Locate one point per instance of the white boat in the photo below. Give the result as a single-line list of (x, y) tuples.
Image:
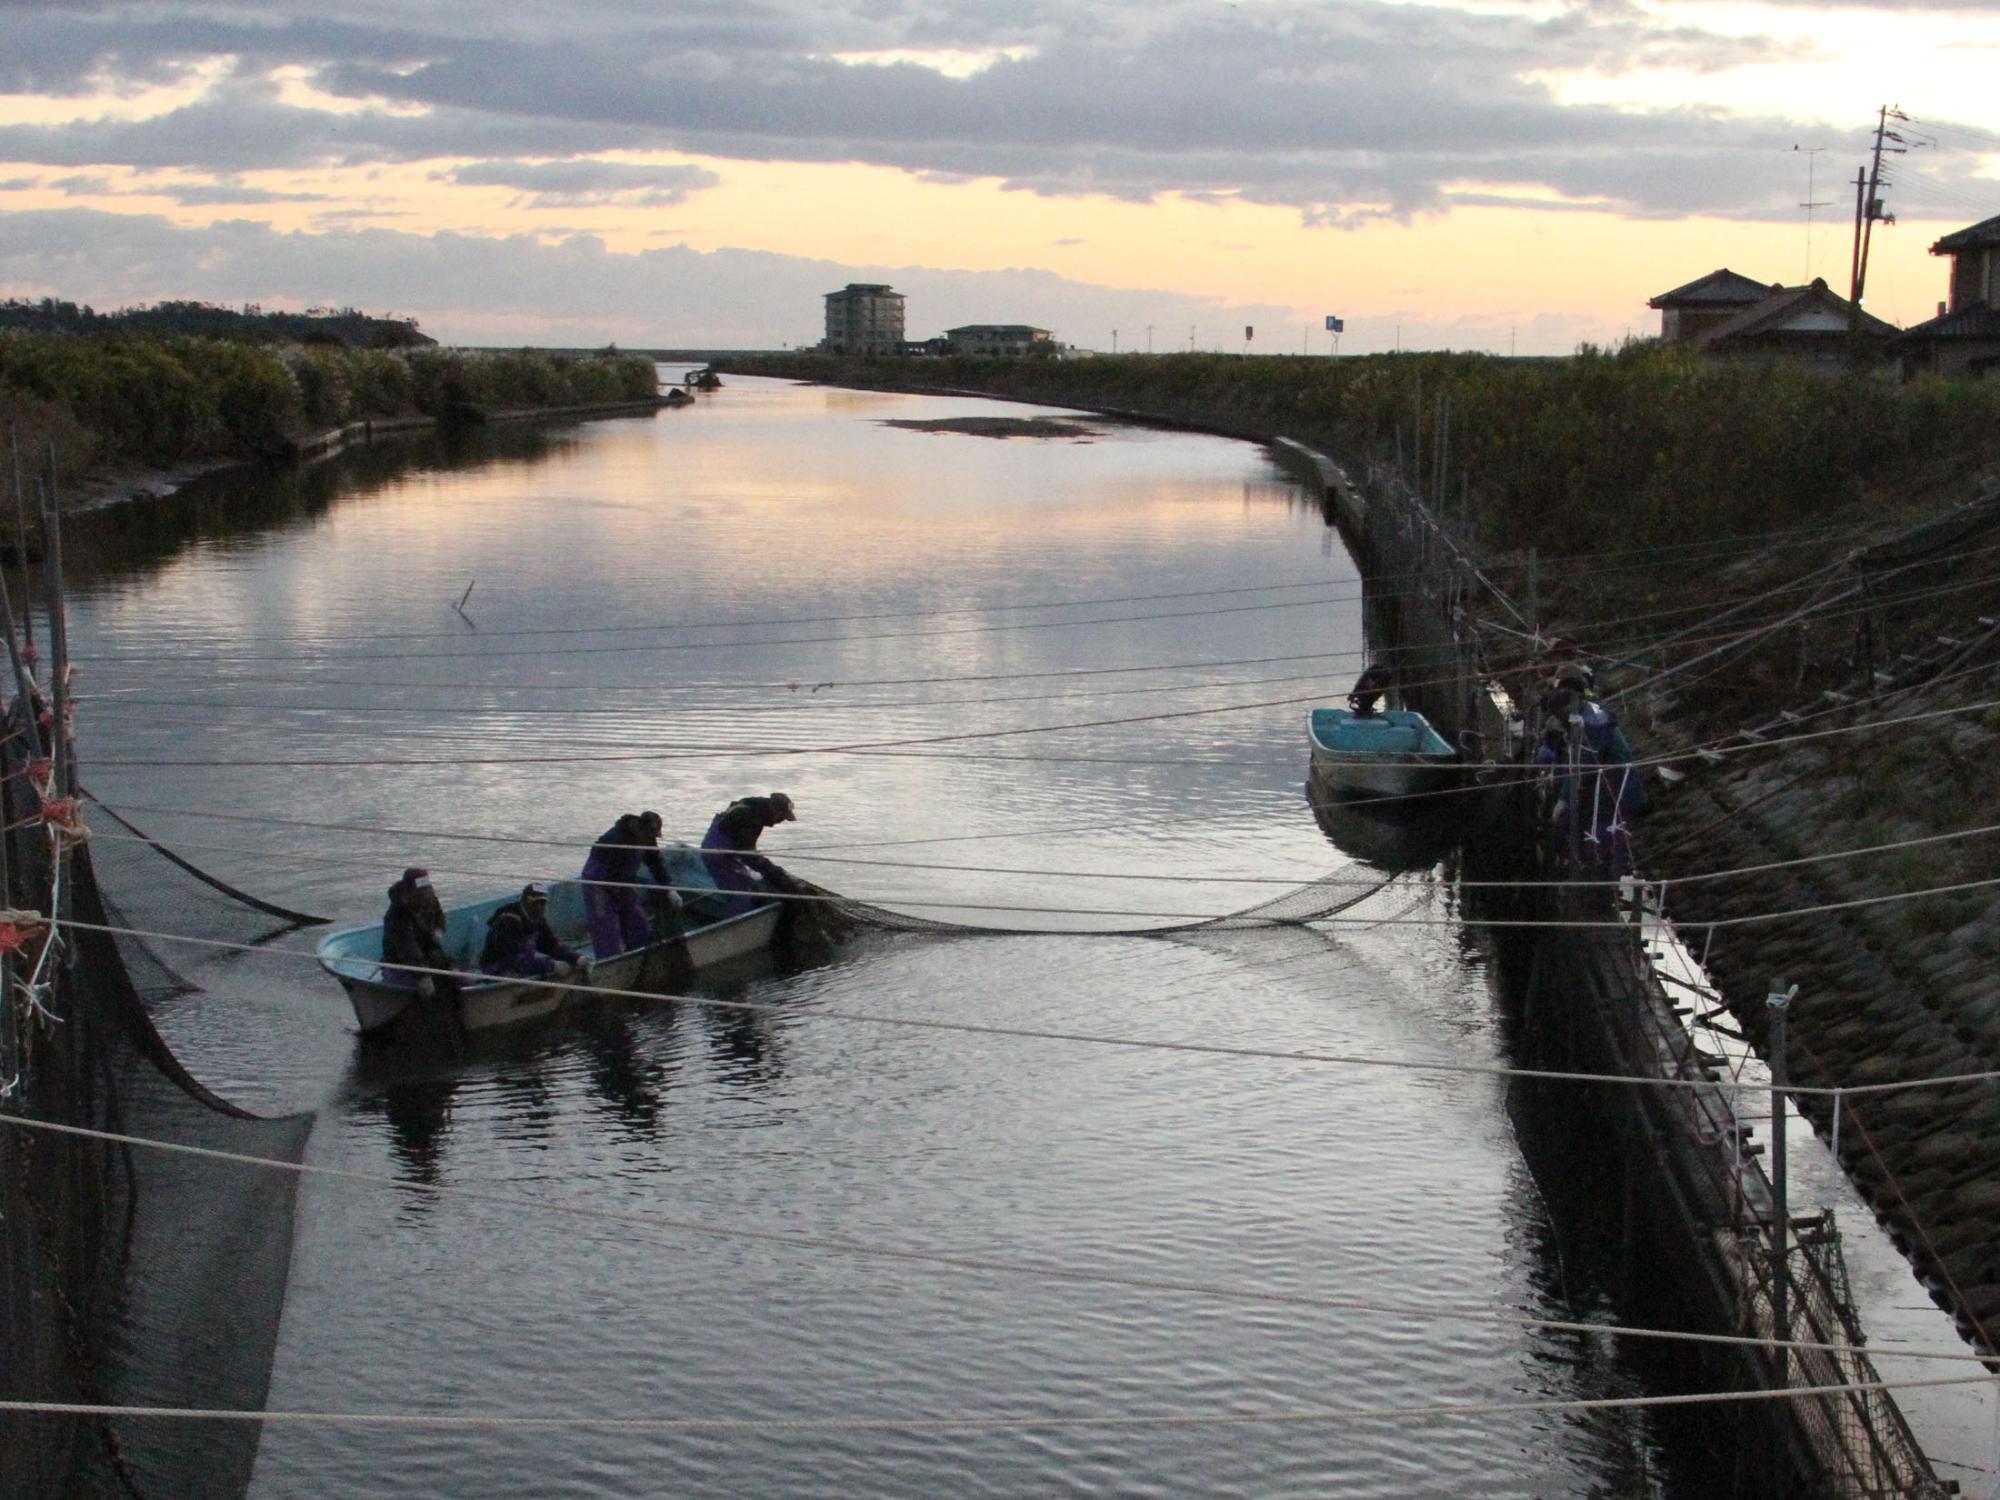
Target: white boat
[(353, 955)]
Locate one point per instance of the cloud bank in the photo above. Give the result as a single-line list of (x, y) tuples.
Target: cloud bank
[(1346, 111)]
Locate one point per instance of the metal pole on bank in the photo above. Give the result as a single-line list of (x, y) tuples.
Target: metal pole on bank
[(1779, 1000)]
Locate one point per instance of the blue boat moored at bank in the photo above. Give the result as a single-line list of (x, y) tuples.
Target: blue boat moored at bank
[(1393, 753)]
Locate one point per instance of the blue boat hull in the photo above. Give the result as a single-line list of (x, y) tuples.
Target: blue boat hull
[(353, 955), (1395, 753)]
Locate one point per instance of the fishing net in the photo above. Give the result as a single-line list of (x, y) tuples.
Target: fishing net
[(1301, 906), (145, 886), (128, 1276)]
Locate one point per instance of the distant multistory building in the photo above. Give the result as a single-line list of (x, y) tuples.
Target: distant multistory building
[(1000, 338), (864, 317)]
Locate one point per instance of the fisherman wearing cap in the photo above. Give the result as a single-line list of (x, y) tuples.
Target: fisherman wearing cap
[(521, 944), (729, 849), (413, 934), (618, 922)]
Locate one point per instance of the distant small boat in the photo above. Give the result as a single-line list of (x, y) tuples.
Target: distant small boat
[(1393, 753), (354, 954)]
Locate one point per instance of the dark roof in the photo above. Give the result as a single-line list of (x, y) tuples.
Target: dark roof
[(998, 328), (1985, 232), (1967, 323), (865, 288), (1723, 286), (1780, 304)]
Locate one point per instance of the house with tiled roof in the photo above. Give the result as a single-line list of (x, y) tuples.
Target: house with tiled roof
[(1688, 311), (1811, 326), (1964, 338)]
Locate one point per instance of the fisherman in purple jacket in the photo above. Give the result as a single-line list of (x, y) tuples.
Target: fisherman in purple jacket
[(617, 919), (729, 849)]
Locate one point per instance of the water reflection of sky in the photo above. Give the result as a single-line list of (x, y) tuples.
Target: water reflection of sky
[(912, 586)]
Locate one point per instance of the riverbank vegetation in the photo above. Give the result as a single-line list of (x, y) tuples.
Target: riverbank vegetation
[(139, 399), (1647, 445)]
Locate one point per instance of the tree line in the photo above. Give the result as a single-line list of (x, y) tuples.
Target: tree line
[(127, 398), (320, 325)]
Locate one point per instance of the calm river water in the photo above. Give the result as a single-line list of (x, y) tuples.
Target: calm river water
[(775, 591)]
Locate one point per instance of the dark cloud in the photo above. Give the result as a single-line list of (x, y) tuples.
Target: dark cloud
[(569, 184), (227, 194), (1345, 111)]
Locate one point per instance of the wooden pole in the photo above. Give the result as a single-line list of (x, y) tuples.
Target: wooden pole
[(58, 638), (23, 683), (21, 542)]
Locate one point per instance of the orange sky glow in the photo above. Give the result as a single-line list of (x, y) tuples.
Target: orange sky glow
[(1481, 258)]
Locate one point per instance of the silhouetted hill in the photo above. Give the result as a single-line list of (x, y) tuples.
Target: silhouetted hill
[(250, 323)]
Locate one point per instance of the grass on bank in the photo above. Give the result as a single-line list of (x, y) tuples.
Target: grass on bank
[(1649, 445)]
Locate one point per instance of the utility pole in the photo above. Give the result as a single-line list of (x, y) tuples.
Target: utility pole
[(1871, 205), (1114, 341), (1810, 153), (1149, 338)]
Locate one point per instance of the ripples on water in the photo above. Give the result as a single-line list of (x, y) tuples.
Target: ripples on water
[(673, 612)]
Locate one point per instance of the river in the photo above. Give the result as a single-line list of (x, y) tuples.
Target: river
[(978, 666)]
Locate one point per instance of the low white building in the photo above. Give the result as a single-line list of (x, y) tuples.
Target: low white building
[(999, 339)]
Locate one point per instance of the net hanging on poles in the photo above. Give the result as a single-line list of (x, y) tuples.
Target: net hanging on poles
[(127, 1277)]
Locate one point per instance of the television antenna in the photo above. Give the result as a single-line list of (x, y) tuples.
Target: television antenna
[(1811, 203)]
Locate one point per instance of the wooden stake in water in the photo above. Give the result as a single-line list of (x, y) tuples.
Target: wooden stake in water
[(21, 543), (58, 638)]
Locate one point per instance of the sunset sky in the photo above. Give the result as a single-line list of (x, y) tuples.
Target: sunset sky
[(1485, 175)]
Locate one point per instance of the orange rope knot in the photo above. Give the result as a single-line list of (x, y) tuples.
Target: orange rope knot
[(16, 927), (65, 815), (29, 654), (41, 769)]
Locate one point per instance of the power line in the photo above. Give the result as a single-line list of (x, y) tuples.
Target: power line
[(1205, 1049), (809, 856), (1023, 1421), (113, 659), (632, 1218)]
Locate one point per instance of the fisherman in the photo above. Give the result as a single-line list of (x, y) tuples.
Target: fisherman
[(729, 849), (1370, 688), (413, 935), (1582, 736), (521, 944), (618, 921)]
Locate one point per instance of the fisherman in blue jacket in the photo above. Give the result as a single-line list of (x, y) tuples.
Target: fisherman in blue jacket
[(618, 921), (729, 849), (521, 944), (1605, 784)]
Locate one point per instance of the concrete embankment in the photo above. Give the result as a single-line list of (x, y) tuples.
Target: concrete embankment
[(1889, 991)]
